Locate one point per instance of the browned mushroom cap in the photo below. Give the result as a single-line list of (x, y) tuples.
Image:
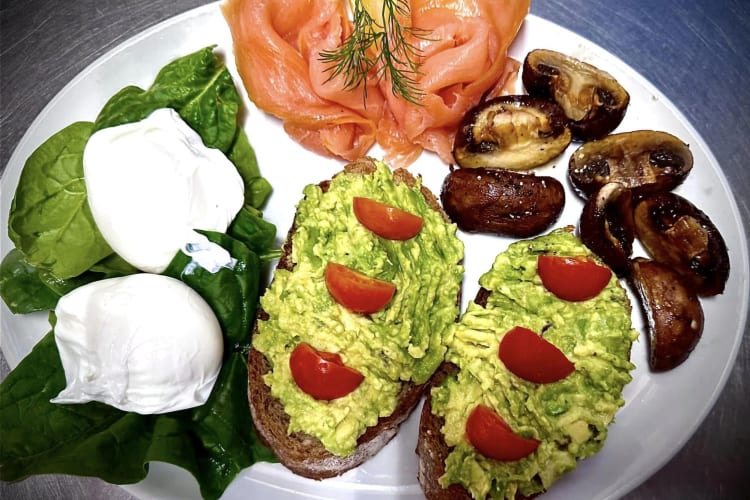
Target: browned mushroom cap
[(512, 132), (676, 233), (503, 202), (606, 226), (592, 99), (646, 161), (674, 316)]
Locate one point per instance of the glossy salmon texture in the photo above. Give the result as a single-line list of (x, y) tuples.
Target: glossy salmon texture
[(277, 46)]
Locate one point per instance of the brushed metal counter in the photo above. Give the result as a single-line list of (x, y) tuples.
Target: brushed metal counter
[(696, 53)]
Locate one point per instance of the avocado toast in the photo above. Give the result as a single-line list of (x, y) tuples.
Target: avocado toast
[(560, 421), (395, 350)]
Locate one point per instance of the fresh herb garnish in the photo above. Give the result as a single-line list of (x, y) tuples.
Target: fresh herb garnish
[(380, 43)]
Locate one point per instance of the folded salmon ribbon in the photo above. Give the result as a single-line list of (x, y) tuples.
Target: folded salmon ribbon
[(463, 58)]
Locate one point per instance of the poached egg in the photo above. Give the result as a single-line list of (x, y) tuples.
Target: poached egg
[(151, 183), (145, 343)]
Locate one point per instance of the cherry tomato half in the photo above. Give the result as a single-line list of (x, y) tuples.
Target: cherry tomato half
[(322, 375), (491, 436), (356, 291), (572, 278), (385, 220), (531, 357)]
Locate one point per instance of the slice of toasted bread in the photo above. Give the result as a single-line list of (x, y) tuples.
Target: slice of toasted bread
[(432, 449), (304, 454)]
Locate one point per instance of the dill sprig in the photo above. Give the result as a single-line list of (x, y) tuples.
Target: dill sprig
[(380, 44)]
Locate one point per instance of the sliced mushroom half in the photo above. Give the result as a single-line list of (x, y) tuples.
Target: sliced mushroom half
[(512, 132), (606, 226), (676, 233), (592, 99), (645, 161), (674, 316)]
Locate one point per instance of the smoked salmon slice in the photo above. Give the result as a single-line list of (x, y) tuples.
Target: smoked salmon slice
[(463, 57)]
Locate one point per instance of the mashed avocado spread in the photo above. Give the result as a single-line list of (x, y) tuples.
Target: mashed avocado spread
[(403, 342), (569, 417)]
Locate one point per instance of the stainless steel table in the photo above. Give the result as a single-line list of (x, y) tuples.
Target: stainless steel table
[(697, 53)]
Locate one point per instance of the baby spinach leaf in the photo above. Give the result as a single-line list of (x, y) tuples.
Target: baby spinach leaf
[(216, 433), (50, 220), (26, 289), (21, 287), (253, 230), (41, 437), (221, 426), (257, 189), (111, 266), (231, 293), (129, 105), (198, 86)]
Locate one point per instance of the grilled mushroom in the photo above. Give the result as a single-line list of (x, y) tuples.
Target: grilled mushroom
[(646, 161), (513, 132), (674, 316), (592, 99), (676, 233), (606, 226), (503, 202)]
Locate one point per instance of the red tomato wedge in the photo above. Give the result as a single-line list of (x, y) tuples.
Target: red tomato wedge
[(356, 291), (491, 436), (385, 220), (531, 357), (322, 375), (572, 278)]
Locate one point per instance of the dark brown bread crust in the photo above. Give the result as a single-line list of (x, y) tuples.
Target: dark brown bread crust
[(433, 451), (299, 452)]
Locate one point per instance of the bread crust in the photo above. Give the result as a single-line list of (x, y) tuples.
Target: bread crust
[(301, 453), (432, 449)]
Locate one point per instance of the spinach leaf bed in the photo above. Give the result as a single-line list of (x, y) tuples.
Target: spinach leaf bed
[(59, 248)]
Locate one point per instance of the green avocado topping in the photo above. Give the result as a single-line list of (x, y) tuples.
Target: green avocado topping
[(403, 342), (569, 417)]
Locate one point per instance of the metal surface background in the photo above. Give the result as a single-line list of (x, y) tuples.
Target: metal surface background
[(696, 53)]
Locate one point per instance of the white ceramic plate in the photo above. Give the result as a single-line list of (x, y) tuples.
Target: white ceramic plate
[(661, 411)]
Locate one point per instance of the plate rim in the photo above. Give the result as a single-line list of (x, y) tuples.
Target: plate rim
[(614, 60)]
